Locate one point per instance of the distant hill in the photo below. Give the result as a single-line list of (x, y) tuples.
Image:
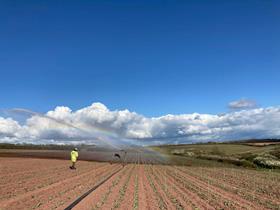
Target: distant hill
[(264, 153), (247, 141), (256, 141)]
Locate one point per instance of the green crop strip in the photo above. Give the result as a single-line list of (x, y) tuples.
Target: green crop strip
[(161, 203), (122, 191), (136, 198), (106, 195)]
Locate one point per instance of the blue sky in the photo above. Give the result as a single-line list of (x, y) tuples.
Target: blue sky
[(152, 57)]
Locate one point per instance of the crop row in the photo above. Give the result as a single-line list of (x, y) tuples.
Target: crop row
[(55, 190), (251, 191)]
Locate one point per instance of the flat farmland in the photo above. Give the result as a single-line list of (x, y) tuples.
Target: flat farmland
[(178, 187), (30, 183)]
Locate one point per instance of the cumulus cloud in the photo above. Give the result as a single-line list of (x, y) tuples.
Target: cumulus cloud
[(242, 104), (8, 127), (62, 125)]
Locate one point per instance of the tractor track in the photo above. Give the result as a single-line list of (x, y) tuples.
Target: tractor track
[(79, 199)]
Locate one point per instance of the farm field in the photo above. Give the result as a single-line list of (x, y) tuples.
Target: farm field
[(260, 154), (30, 183)]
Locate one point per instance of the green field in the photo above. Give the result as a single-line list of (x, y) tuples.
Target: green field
[(238, 154)]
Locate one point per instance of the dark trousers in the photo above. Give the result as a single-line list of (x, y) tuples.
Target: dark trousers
[(73, 165)]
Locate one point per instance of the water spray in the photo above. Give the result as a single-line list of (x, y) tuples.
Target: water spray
[(97, 135)]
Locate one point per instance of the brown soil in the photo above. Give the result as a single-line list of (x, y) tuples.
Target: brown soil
[(46, 184), (28, 183)]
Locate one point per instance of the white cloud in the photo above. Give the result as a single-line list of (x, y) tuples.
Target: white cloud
[(242, 104), (96, 121), (8, 127)]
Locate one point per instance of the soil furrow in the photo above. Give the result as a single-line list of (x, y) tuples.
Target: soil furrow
[(187, 198), (147, 197), (163, 188), (28, 185), (55, 187), (161, 200), (130, 194), (222, 193), (245, 193), (123, 191), (106, 193)]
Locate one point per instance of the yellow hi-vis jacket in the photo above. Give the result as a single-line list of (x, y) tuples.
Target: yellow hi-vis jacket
[(74, 156)]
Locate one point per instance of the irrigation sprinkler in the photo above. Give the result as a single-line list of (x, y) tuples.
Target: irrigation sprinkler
[(117, 155), (124, 158)]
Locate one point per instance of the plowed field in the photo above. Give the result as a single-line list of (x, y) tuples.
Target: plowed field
[(50, 184), (46, 184)]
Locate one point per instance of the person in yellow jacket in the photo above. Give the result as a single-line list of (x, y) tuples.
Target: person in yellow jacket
[(74, 156)]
